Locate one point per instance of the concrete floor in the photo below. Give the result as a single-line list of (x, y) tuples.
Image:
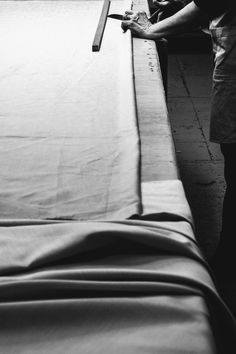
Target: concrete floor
[(200, 162)]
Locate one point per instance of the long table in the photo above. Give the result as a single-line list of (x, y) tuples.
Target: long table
[(97, 246)]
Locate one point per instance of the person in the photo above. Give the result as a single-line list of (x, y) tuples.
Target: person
[(221, 16), (168, 8)]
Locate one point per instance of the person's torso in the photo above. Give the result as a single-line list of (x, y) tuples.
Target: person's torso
[(223, 32)]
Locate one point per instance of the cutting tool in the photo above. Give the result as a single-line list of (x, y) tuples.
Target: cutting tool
[(119, 17), (116, 17)]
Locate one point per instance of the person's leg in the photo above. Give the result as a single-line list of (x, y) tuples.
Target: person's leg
[(228, 234), (224, 259)]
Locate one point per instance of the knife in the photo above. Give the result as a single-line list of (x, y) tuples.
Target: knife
[(119, 17), (116, 17)]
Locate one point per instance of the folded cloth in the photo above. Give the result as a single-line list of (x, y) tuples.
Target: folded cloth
[(127, 287), (165, 200)]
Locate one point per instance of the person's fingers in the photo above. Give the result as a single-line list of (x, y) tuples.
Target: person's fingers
[(130, 15), (133, 26), (125, 24), (129, 12)]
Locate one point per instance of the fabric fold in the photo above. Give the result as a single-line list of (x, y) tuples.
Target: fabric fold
[(75, 263)]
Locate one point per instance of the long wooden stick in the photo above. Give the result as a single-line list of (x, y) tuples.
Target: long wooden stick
[(101, 26)]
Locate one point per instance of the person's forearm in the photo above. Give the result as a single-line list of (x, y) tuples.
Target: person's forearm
[(182, 21)]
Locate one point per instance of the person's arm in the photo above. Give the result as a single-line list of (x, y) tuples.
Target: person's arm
[(182, 21)]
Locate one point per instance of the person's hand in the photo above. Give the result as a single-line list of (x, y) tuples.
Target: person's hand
[(130, 15), (138, 23)]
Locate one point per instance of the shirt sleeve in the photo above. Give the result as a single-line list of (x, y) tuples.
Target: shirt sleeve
[(213, 8)]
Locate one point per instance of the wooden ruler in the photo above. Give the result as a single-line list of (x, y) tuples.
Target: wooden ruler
[(101, 26)]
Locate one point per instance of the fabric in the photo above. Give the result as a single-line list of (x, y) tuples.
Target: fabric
[(69, 146), (165, 200), (223, 111), (99, 287)]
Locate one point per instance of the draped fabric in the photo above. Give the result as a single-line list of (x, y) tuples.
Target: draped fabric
[(165, 200), (101, 287), (69, 146)]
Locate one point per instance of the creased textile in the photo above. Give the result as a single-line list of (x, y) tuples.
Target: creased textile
[(120, 287)]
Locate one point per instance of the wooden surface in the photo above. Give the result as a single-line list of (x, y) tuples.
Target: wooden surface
[(101, 26), (157, 148)]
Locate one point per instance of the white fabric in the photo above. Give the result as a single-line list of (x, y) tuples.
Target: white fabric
[(166, 200), (69, 147)]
